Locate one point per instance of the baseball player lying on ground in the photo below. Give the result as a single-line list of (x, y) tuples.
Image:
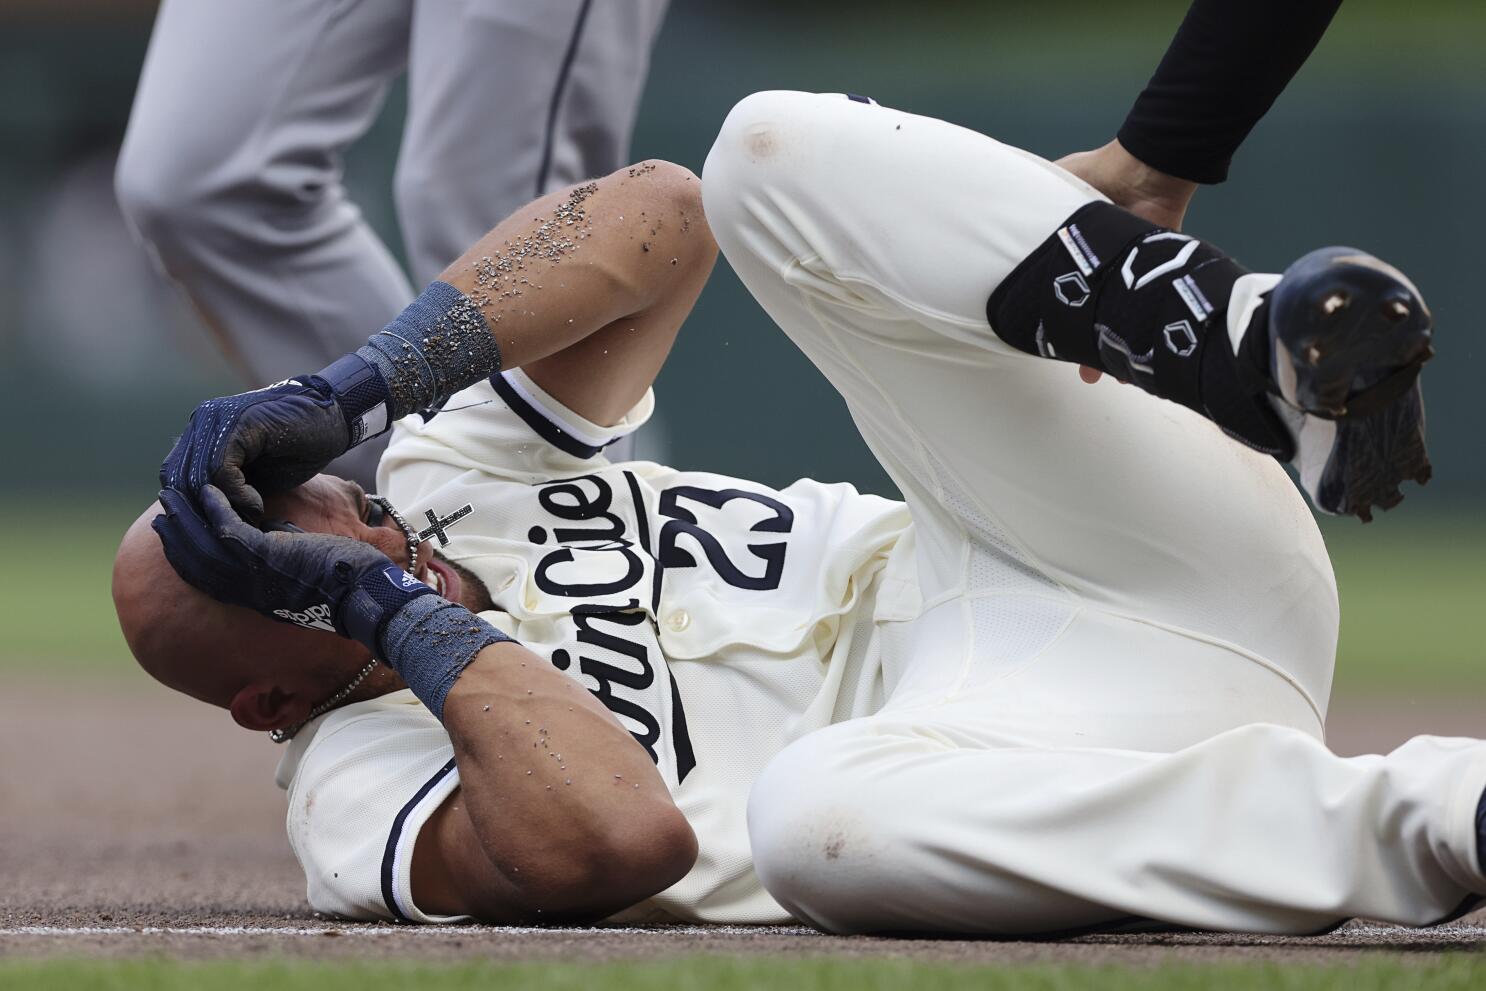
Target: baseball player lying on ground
[(1078, 677)]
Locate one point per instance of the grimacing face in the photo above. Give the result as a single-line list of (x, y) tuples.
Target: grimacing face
[(326, 504), (268, 673)]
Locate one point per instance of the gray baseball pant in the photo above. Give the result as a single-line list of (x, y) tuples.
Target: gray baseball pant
[(231, 168)]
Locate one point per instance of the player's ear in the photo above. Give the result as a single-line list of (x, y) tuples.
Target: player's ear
[(263, 706)]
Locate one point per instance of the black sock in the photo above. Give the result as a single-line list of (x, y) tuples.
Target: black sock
[(1149, 306)]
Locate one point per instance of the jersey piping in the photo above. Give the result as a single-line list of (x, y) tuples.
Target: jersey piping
[(558, 432), (393, 856)]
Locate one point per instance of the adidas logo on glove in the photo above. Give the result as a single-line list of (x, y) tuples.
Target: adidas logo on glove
[(401, 579), (313, 618)]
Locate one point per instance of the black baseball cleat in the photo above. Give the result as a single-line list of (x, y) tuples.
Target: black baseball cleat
[(1321, 370), (1348, 334)]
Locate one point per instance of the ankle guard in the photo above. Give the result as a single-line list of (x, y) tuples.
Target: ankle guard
[(1147, 305)]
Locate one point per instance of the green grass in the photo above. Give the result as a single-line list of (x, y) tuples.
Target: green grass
[(724, 974), (1413, 598), (58, 614), (1413, 592)]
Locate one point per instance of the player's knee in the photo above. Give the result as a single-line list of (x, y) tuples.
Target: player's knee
[(153, 198), (176, 210), (202, 194), (818, 843), (752, 143), (753, 127), (677, 184)]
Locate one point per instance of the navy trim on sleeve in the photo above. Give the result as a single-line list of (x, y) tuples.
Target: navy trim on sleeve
[(389, 856), (545, 428)]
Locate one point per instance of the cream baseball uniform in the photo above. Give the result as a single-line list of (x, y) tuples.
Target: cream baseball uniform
[(1087, 681), (718, 619)]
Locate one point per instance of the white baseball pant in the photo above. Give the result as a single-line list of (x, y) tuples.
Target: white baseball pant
[(1112, 704)]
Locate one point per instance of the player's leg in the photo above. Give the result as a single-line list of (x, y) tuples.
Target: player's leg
[(509, 100), (1067, 536), (873, 238), (898, 822), (1115, 769), (231, 172), (921, 219)]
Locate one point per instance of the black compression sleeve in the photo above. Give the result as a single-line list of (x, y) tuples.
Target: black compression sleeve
[(1228, 63)]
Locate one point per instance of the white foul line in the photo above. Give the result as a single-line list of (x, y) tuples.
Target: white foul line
[(394, 930), (1356, 934)]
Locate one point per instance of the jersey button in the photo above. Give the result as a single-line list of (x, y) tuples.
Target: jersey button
[(678, 621)]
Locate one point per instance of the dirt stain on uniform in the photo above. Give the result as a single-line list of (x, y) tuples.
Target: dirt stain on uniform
[(760, 144)]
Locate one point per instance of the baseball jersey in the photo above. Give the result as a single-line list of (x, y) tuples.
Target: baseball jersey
[(716, 618)]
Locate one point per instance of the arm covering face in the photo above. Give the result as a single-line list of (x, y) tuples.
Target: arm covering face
[(1147, 305)]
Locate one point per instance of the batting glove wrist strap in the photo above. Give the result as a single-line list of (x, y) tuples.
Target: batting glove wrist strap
[(430, 641), (373, 600), (362, 394), (437, 346)]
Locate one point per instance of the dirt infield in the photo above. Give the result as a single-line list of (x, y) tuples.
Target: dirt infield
[(136, 822)]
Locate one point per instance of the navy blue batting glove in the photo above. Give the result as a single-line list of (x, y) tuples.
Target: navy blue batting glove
[(273, 439), (315, 580)]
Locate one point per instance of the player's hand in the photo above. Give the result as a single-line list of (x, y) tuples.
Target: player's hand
[(314, 580), (1130, 183), (258, 442)]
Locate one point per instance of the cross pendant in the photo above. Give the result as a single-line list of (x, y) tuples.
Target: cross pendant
[(439, 527)]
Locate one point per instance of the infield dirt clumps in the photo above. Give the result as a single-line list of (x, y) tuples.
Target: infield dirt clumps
[(138, 822)]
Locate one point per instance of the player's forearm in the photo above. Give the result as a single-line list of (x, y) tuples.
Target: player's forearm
[(577, 260), (559, 798), (613, 264), (1227, 64), (549, 276), (567, 805)]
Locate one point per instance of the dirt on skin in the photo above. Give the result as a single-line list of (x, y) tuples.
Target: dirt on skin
[(133, 821)]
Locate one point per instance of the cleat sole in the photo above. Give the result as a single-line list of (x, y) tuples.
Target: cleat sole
[(1347, 322), (1371, 455)]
